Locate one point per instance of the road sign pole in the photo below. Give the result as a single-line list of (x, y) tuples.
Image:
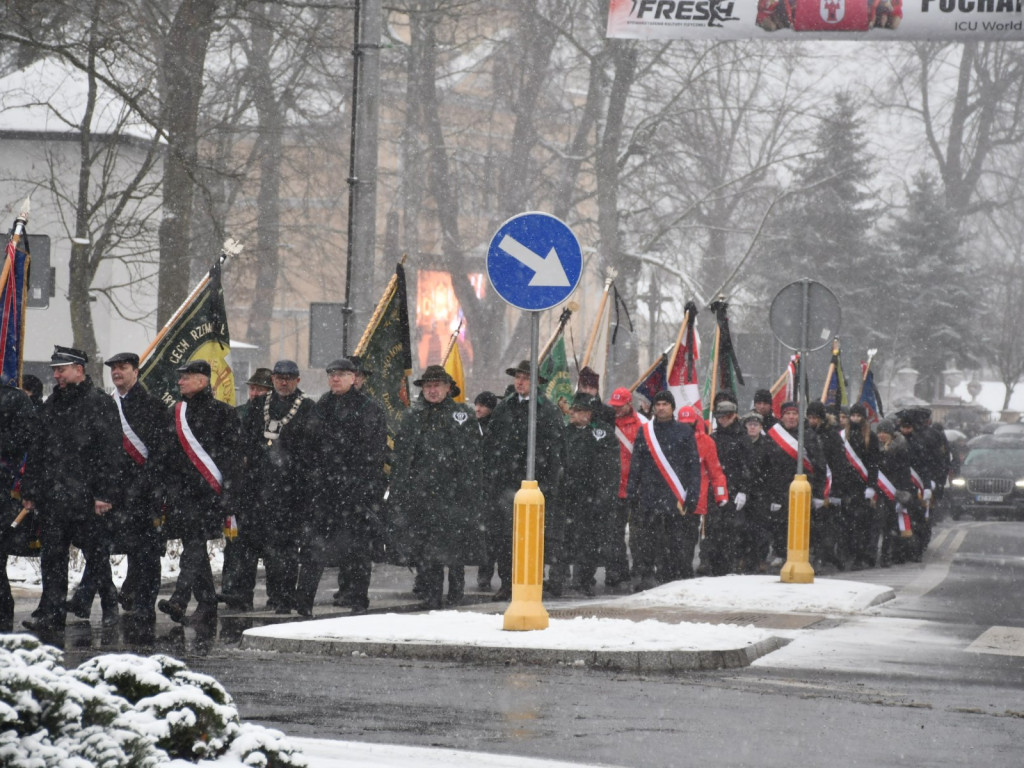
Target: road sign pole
[(526, 611)]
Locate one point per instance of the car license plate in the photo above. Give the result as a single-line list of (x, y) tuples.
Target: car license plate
[(989, 497)]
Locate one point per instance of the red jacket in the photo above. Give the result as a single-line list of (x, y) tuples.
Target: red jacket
[(711, 474), (626, 428)]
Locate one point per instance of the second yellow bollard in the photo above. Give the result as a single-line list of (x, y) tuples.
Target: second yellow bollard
[(526, 611)]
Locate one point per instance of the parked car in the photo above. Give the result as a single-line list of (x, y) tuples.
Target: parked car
[(990, 482)]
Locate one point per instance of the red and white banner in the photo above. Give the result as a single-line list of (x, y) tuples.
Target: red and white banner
[(661, 462), (872, 20), (200, 459)]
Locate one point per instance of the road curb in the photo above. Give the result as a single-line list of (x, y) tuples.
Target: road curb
[(625, 661)]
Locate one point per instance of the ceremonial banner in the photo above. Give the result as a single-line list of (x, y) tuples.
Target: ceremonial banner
[(872, 20), (387, 350), (453, 365), (682, 379), (555, 369), (13, 294), (870, 396), (197, 331)]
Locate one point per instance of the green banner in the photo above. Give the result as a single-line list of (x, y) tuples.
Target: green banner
[(386, 349), (199, 331), (555, 368)]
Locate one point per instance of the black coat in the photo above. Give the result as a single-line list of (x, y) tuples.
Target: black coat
[(196, 510), (76, 459), (144, 485), (736, 455), (782, 468), (281, 474), (435, 489), (351, 483), (587, 492), (646, 484), (19, 425), (504, 447)]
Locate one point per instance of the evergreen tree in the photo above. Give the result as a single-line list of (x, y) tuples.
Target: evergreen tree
[(936, 284), (825, 229)]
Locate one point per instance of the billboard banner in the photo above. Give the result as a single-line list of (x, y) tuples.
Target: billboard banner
[(816, 19)]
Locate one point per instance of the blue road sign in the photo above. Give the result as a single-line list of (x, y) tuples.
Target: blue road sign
[(534, 261)]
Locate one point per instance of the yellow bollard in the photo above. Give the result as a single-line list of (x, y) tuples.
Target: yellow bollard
[(526, 610), (797, 569)]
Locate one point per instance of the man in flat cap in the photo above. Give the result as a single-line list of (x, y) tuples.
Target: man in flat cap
[(347, 511), (204, 475), (145, 429), (281, 439), (72, 476), (258, 384), (504, 452), (435, 489)]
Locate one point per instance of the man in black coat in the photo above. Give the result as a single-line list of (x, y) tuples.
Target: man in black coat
[(730, 526), (204, 475), (504, 452), (72, 477), (664, 479), (435, 488), (18, 426), (346, 527), (281, 440), (145, 423)]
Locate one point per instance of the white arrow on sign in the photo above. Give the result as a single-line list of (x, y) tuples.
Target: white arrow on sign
[(548, 271)]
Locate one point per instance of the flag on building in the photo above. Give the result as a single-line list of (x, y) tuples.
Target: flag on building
[(453, 364), (869, 394), (13, 295), (835, 395), (197, 331), (555, 369), (723, 368), (386, 349), (785, 389), (682, 379)]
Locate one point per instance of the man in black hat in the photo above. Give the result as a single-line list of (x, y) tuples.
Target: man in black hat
[(281, 441), (145, 428), (484, 406), (259, 384), (731, 528), (363, 370), (588, 492), (664, 480), (504, 452), (204, 478), (19, 425), (589, 383), (72, 476), (435, 488), (346, 525)]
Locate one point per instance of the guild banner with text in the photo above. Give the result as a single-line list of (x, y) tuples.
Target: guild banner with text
[(816, 19)]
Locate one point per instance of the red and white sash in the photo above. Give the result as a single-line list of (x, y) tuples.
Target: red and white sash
[(903, 519), (661, 462), (789, 444), (885, 486), (202, 461), (853, 458), (132, 443), (916, 480), (623, 440)]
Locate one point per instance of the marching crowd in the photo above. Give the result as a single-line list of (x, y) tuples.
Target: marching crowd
[(307, 484)]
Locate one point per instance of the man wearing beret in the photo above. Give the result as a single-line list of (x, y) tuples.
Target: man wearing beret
[(435, 488), (504, 452), (281, 439), (347, 510), (204, 477), (72, 477)]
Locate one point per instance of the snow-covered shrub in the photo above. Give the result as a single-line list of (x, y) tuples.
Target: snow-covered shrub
[(121, 710)]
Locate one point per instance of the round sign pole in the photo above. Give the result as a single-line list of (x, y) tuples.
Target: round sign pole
[(534, 263), (800, 311), (526, 610)]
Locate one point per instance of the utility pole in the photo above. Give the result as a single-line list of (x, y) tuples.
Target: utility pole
[(362, 177)]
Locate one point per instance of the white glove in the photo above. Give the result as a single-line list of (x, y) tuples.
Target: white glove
[(741, 501), (817, 503), (835, 501), (927, 494), (775, 507), (869, 493)]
